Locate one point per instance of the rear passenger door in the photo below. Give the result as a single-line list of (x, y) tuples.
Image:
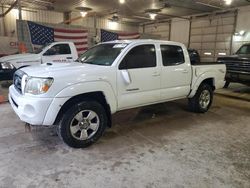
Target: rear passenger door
[(58, 53), (176, 73), (140, 67)]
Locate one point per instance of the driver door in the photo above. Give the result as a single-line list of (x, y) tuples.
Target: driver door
[(138, 77)]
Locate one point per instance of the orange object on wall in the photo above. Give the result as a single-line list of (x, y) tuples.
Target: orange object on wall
[(22, 48)]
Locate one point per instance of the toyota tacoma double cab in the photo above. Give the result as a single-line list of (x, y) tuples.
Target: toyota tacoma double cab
[(238, 66), (62, 52), (80, 98)]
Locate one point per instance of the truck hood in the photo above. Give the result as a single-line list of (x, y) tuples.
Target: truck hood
[(235, 58), (69, 72), (19, 57)]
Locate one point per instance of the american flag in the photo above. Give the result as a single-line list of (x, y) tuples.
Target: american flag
[(109, 36), (41, 35)]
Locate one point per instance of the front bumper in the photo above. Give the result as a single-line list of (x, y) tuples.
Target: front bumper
[(29, 109), (35, 110)]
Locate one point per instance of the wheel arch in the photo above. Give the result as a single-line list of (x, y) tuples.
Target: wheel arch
[(97, 96), (209, 80)]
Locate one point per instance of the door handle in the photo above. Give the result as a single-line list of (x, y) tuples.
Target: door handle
[(185, 71), (69, 57), (156, 74)]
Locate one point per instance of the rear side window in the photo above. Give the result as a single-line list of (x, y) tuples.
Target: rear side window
[(142, 56), (172, 55), (62, 49)]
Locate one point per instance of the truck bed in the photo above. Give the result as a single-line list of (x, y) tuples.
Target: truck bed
[(218, 70)]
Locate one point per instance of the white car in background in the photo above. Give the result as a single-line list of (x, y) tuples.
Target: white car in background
[(79, 98), (62, 52)]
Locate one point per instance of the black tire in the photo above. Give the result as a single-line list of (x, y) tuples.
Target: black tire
[(194, 102), (64, 130), (226, 84)]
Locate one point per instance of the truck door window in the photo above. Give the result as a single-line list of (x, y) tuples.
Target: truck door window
[(62, 49), (172, 55), (142, 56)]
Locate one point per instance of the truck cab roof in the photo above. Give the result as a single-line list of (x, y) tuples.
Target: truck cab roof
[(138, 41)]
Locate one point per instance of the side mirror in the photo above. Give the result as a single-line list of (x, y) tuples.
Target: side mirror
[(126, 76), (49, 52)]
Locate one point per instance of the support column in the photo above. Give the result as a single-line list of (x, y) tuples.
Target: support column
[(232, 36), (3, 23), (19, 10)]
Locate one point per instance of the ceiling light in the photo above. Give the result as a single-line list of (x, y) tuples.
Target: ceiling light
[(228, 2), (122, 1), (152, 16), (83, 14), (83, 10), (242, 32)]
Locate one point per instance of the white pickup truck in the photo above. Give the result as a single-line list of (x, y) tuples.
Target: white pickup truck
[(63, 52), (80, 98)]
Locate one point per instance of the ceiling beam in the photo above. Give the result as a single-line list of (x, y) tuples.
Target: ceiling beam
[(9, 9)]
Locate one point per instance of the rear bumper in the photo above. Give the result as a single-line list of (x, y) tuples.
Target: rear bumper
[(6, 74)]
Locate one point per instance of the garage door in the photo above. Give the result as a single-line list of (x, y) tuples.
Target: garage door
[(212, 35)]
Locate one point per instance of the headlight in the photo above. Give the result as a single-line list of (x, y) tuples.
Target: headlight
[(7, 65), (37, 86)]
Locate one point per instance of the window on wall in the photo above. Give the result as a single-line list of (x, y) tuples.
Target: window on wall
[(142, 56), (172, 55)]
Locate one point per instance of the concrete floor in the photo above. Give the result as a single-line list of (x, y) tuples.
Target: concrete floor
[(157, 146)]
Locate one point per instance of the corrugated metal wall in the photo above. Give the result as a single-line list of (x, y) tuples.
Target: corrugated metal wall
[(243, 24), (95, 24), (103, 23), (37, 15), (212, 35), (51, 17), (156, 31)]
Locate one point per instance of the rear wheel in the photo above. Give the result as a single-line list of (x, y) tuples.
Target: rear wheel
[(202, 100), (83, 124)]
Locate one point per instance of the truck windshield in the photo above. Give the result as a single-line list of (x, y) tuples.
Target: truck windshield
[(245, 49), (103, 54)]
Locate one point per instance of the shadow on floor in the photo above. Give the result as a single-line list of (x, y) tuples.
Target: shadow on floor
[(4, 90), (237, 91)]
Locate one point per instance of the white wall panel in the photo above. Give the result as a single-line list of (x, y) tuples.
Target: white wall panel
[(180, 30), (156, 31), (37, 16), (196, 38)]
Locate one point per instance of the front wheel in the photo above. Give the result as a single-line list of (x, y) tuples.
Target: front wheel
[(202, 100), (83, 124)]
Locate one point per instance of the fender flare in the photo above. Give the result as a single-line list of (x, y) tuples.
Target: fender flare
[(200, 79), (89, 87)]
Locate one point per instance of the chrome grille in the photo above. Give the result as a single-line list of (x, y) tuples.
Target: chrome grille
[(17, 80), (238, 66)]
